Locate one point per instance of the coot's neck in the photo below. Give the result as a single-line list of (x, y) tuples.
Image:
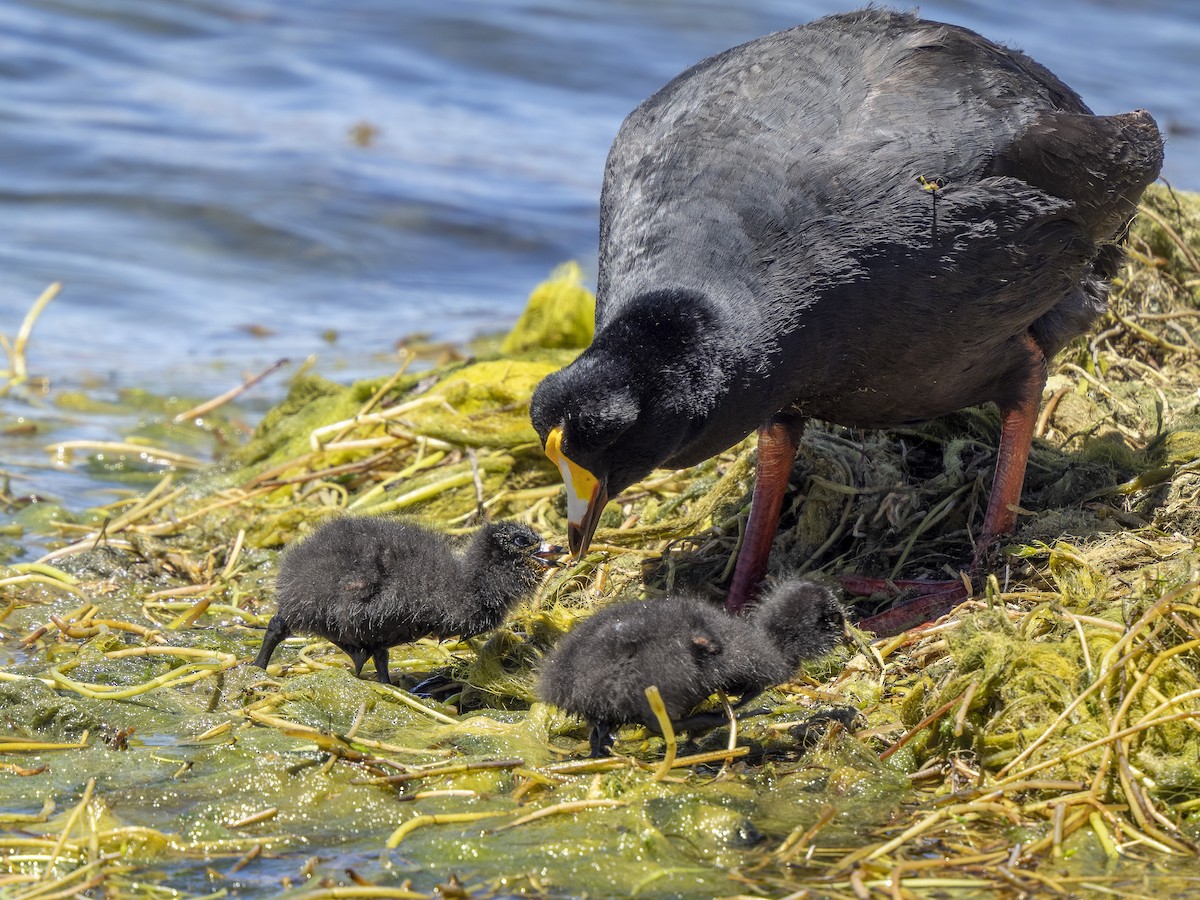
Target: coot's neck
[(699, 363), (682, 338)]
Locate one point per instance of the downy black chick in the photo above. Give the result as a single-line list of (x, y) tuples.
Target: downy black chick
[(689, 649), (368, 584)]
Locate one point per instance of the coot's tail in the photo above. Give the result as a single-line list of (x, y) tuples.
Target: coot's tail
[(1099, 163)]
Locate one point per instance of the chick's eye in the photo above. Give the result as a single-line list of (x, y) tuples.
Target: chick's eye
[(520, 539)]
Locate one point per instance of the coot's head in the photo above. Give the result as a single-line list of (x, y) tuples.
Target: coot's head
[(587, 417), (628, 403)]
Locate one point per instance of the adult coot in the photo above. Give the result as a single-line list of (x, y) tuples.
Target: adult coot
[(870, 219), (367, 584), (687, 648)]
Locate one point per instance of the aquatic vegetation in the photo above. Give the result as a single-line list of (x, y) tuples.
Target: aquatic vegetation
[(1045, 737), (16, 372)]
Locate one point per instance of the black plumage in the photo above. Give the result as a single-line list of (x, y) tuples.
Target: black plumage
[(689, 649), (368, 584), (802, 619), (871, 220)]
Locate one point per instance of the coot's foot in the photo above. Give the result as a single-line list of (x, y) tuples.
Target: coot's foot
[(934, 599)]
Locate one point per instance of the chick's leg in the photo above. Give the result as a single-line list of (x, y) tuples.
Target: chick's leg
[(381, 665), (276, 631), (601, 738)]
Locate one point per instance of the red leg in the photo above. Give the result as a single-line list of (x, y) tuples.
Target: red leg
[(864, 585), (777, 443), (937, 599), (1017, 421), (1016, 437)]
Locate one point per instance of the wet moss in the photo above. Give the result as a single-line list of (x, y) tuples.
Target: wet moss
[(560, 315), (284, 431), (482, 405)]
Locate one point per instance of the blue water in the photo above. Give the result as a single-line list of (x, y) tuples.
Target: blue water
[(188, 168)]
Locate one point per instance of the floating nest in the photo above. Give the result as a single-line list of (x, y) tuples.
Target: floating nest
[(1043, 738)]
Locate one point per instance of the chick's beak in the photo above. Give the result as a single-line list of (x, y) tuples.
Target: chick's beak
[(548, 555), (586, 495)]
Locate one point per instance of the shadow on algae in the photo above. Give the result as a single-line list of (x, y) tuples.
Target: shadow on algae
[(1043, 739)]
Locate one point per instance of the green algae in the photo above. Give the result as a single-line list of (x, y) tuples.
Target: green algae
[(283, 433), (482, 405), (560, 315), (970, 734)]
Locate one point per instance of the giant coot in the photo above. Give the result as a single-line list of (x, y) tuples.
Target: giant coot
[(872, 220), (369, 583), (688, 649)]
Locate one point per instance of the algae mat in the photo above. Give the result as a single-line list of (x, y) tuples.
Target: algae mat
[(1043, 739)]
